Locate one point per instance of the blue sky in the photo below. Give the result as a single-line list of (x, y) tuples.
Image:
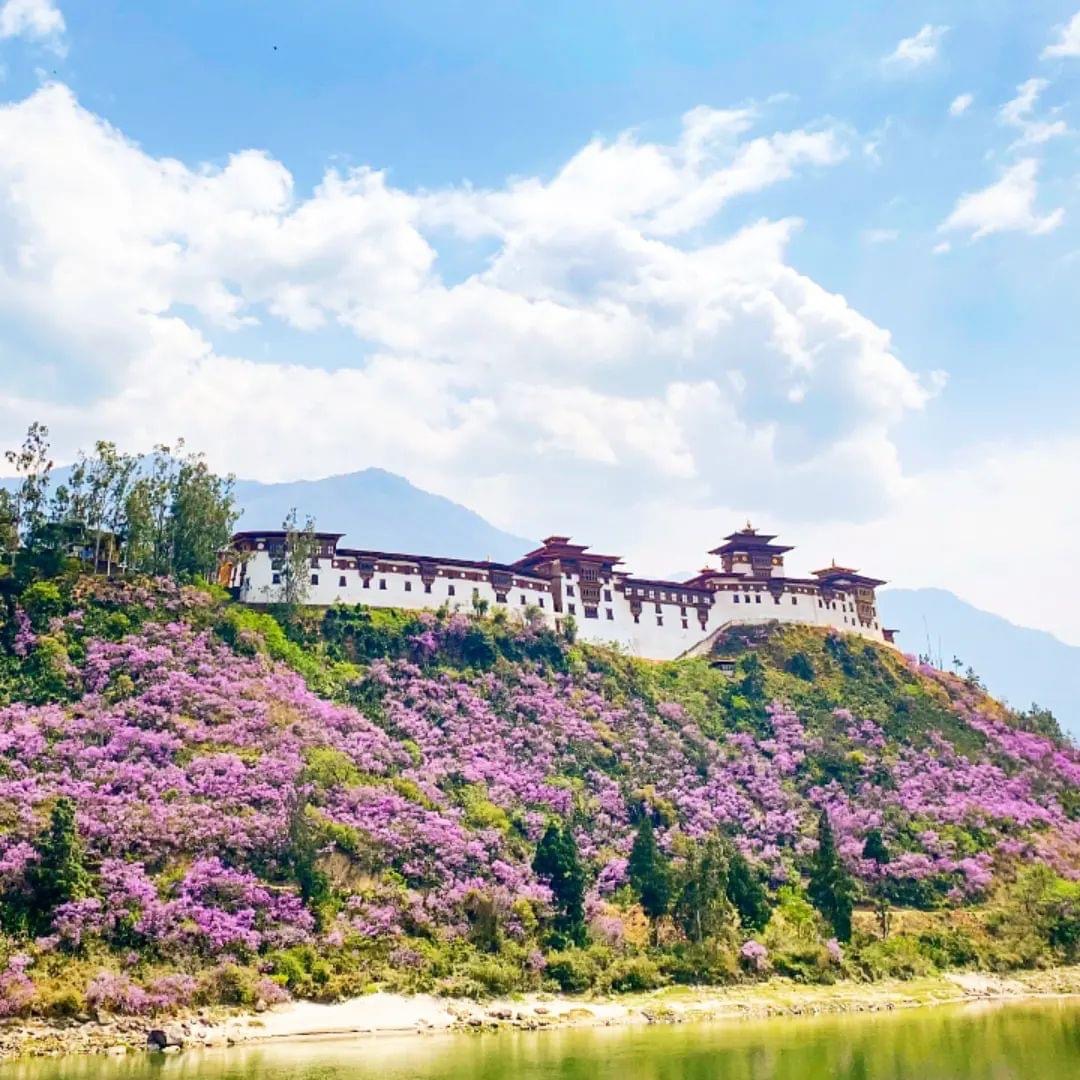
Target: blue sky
[(960, 392)]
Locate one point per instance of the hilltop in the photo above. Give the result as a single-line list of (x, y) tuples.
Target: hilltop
[(314, 804)]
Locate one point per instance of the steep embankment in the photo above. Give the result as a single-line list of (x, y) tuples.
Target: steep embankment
[(257, 817)]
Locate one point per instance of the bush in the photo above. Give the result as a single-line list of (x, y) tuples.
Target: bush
[(628, 973), (493, 975), (805, 964), (573, 970), (707, 964), (897, 957)]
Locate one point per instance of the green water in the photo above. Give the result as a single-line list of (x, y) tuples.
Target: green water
[(1040, 1042)]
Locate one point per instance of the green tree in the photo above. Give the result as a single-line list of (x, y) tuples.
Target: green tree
[(557, 863), (831, 888), (202, 513), (875, 851), (649, 873), (34, 465), (293, 565), (60, 874), (746, 893), (702, 906)]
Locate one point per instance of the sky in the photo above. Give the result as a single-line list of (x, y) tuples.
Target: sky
[(627, 271)]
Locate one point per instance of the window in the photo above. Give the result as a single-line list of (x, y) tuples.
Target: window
[(592, 613), (500, 598), (569, 590), (341, 582), (277, 579), (607, 596), (427, 586), (524, 599), (637, 619), (540, 601), (757, 598), (408, 586), (659, 620), (382, 583), (610, 614), (682, 611), (685, 625), (367, 583), (794, 599), (450, 590), (314, 579), (776, 599), (736, 598), (659, 609), (571, 609)]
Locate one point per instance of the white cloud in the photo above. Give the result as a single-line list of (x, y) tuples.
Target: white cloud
[(1017, 113), (36, 20), (916, 51), (1005, 206), (960, 104), (608, 340), (943, 248), (1068, 42)]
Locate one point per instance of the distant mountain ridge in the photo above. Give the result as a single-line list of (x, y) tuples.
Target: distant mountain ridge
[(1017, 663), (380, 510), (374, 509)]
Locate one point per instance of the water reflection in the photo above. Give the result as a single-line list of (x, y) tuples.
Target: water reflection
[(1012, 1042)]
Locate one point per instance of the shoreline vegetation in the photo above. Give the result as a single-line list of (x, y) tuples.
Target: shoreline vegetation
[(384, 1014), (204, 807)]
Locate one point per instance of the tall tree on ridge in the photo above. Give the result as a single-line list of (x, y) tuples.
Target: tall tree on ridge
[(831, 888)]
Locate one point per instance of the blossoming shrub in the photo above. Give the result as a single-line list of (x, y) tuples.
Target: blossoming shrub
[(360, 803)]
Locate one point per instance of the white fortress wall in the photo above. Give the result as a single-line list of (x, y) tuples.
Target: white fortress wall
[(654, 619)]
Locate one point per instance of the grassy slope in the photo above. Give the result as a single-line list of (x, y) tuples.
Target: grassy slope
[(501, 673)]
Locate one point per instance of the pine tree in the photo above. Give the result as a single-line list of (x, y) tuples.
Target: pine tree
[(557, 863), (649, 873), (745, 891), (59, 875), (875, 851), (831, 888), (702, 905)]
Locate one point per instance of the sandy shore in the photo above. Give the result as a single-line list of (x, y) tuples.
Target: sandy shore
[(400, 1014)]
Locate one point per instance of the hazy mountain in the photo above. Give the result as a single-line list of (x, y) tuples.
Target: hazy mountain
[(1016, 662), (377, 509)]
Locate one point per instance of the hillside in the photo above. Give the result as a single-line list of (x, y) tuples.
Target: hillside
[(1017, 663), (361, 801)]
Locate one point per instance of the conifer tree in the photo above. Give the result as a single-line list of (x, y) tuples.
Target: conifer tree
[(745, 891), (557, 863), (649, 873), (831, 888), (875, 851), (702, 905), (59, 875)]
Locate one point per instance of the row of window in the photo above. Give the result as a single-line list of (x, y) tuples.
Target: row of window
[(451, 590)]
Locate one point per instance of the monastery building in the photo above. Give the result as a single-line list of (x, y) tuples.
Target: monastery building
[(660, 620)]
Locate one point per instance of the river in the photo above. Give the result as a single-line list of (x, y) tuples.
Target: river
[(1025, 1041)]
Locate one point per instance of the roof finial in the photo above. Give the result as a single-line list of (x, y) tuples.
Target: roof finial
[(749, 528)]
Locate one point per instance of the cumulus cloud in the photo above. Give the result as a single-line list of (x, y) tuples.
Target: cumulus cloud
[(960, 104), (606, 339), (1008, 205), (1017, 113), (1068, 40), (36, 20), (916, 51)]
